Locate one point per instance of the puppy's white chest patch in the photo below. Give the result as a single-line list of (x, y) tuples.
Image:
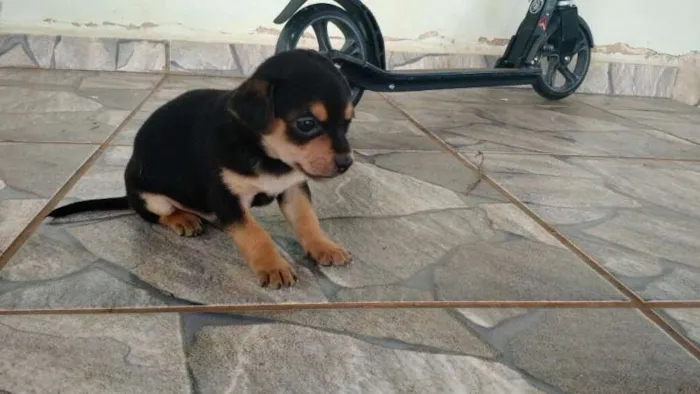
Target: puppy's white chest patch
[(246, 187)]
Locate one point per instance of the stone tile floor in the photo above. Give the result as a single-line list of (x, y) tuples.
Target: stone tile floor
[(560, 241)]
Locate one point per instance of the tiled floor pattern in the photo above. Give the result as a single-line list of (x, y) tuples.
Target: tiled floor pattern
[(577, 206)]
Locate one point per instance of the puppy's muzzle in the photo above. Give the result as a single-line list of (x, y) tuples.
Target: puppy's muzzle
[(343, 162)]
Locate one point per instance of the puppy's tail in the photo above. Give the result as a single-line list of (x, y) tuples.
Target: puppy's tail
[(104, 204)]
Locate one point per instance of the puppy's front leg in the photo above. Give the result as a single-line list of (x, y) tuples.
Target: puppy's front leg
[(255, 244), (295, 204), (260, 253)]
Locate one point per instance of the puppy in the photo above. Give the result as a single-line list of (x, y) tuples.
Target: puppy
[(214, 154)]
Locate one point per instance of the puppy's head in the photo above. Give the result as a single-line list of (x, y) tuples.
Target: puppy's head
[(300, 106)]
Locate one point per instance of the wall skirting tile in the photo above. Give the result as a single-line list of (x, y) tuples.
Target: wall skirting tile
[(680, 81)]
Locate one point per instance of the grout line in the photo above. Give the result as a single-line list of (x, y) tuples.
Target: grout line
[(81, 143), (79, 70), (72, 180), (49, 142), (168, 55), (483, 304), (665, 304), (635, 300), (582, 156), (168, 72), (218, 308)]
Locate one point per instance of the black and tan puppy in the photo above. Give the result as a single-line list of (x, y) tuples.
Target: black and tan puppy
[(216, 153)]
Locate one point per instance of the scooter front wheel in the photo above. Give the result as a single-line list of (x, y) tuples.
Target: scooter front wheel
[(562, 75), (319, 17)]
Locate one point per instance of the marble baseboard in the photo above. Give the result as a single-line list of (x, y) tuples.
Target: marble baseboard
[(680, 80)]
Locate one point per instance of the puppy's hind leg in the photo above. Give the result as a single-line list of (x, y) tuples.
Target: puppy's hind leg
[(157, 208)]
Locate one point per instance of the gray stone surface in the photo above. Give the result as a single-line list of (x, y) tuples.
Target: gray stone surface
[(86, 53), (42, 47), (105, 178), (635, 103), (39, 169), (419, 223), (494, 96), (23, 100), (242, 359), (683, 125), (115, 354), (209, 58), (93, 287), (474, 122), (438, 330), (377, 125), (16, 56), (29, 175), (81, 53), (597, 80), (67, 106), (141, 56), (517, 270), (688, 320), (490, 318), (687, 87), (49, 254), (584, 351), (205, 269), (248, 56), (642, 80), (637, 217), (15, 215), (441, 172), (399, 227)]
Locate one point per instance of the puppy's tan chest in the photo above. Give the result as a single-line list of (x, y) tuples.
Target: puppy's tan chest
[(247, 187)]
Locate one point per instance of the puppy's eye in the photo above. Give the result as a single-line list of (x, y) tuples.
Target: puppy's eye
[(307, 125)]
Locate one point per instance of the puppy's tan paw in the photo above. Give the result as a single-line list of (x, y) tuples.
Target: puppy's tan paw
[(274, 272), (183, 223), (326, 252)]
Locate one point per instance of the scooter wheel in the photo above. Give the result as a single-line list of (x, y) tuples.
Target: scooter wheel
[(561, 77), (318, 16)]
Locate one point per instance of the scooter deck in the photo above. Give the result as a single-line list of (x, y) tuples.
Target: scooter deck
[(370, 77)]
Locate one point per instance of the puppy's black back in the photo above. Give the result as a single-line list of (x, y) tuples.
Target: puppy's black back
[(172, 150)]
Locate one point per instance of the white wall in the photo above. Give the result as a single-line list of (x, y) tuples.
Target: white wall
[(445, 25)]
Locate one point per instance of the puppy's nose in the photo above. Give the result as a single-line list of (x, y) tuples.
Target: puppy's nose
[(343, 162)]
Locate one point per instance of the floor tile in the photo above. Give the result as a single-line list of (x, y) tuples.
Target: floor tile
[(415, 223), (97, 353), (501, 96), (573, 351), (29, 175), (573, 128), (41, 106), (639, 218), (583, 351), (636, 103), (378, 125), (683, 125), (686, 321), (382, 351)]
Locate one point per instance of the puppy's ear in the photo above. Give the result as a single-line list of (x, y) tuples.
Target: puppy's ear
[(251, 103)]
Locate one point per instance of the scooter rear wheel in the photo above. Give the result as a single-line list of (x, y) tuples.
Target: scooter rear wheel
[(318, 16), (562, 76)]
